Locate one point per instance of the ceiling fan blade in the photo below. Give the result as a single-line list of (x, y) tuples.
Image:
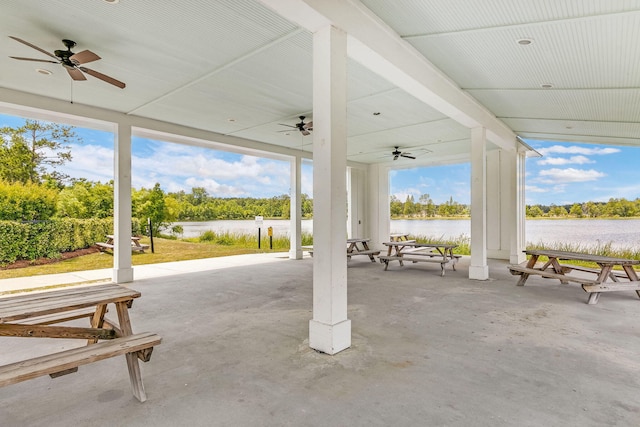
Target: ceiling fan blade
[(33, 59), (75, 74), (84, 57), (282, 124), (407, 155), (309, 125), (33, 46), (103, 77), (305, 132)]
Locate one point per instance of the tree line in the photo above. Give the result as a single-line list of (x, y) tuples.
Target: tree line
[(426, 208), (31, 189)]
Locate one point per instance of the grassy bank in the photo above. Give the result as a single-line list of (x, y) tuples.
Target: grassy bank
[(211, 244), (165, 250)]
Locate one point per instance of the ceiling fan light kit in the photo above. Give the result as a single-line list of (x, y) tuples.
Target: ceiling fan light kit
[(72, 62)]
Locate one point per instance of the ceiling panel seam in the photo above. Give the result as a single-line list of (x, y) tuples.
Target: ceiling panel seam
[(220, 69), (409, 37)]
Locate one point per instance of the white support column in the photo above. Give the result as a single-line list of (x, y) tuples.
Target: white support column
[(518, 218), (356, 203), (329, 330), (122, 269), (478, 269), (295, 231), (378, 205)]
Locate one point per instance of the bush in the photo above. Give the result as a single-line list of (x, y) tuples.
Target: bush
[(37, 239), (26, 202)]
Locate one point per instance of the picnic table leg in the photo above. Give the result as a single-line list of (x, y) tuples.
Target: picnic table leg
[(530, 264), (453, 259), (132, 358), (631, 274), (602, 277)]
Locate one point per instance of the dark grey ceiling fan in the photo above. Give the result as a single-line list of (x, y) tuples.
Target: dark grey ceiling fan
[(72, 62), (396, 153), (304, 128)]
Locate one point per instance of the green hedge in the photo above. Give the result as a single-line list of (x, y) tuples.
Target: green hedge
[(37, 239)]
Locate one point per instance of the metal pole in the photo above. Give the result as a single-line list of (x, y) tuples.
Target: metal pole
[(258, 237), (150, 234)]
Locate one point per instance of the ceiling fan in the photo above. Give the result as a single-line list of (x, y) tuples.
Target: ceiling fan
[(396, 153), (72, 62), (304, 128)]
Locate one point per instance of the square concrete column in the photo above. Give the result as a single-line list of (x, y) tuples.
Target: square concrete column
[(122, 269), (356, 201), (478, 269), (329, 330), (378, 212), (295, 200), (518, 219)]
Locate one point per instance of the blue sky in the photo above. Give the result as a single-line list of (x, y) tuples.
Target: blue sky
[(567, 172)]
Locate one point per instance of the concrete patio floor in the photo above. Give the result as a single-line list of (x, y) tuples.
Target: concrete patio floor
[(427, 351)]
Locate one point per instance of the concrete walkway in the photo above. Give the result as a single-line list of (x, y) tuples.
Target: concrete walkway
[(427, 351)]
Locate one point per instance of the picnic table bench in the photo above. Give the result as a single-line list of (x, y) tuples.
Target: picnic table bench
[(135, 244), (355, 247), (359, 246), (34, 314), (624, 280), (410, 250)]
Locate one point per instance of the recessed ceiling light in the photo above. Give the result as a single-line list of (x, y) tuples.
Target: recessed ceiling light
[(43, 71), (546, 85), (525, 42), (111, 1), (231, 120)]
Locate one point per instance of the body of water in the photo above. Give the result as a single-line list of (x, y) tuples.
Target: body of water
[(621, 233)]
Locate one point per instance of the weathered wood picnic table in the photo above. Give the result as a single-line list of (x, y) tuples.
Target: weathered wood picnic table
[(33, 314), (135, 244), (553, 269), (359, 246), (356, 246), (410, 250)]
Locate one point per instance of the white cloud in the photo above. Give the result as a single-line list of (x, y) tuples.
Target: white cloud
[(92, 162), (559, 161), (534, 189), (574, 149), (215, 188), (559, 176)]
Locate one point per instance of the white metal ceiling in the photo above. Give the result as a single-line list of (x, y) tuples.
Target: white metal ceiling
[(236, 67)]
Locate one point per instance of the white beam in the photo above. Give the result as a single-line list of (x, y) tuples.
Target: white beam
[(295, 206), (329, 330), (375, 45), (478, 269), (122, 269)]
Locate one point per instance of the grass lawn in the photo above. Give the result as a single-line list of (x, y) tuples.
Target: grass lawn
[(165, 250)]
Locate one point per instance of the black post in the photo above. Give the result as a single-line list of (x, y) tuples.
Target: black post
[(258, 237), (150, 234), (270, 242)]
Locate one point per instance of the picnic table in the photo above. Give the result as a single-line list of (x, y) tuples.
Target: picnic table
[(410, 250), (135, 244), (398, 237), (34, 314), (358, 246), (621, 280)]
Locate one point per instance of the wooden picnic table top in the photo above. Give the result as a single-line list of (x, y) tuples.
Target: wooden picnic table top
[(576, 256), (358, 240), (112, 237), (32, 304), (413, 243)]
